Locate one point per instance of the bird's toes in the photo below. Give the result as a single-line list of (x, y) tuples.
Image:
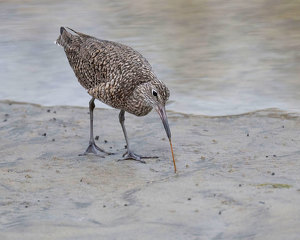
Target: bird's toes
[(149, 157), (126, 153), (101, 150), (94, 149), (132, 156), (89, 152)]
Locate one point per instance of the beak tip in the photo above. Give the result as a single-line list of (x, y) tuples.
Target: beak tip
[(175, 169), (162, 113)]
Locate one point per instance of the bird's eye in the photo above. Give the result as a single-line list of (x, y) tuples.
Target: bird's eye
[(154, 93)]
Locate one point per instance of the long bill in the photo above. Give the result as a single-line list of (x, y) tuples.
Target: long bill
[(162, 113)]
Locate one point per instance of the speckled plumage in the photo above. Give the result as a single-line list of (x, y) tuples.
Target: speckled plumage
[(118, 76), (112, 72)]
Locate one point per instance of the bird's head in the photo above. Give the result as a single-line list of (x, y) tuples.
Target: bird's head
[(156, 95)]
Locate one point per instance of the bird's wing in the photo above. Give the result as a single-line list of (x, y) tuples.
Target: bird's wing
[(107, 61), (103, 67)]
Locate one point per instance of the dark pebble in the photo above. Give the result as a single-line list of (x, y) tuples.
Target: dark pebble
[(54, 119), (53, 140), (105, 141), (267, 156), (54, 112), (125, 205), (282, 126), (26, 206), (5, 120), (247, 134), (48, 110), (240, 185), (274, 155), (38, 200), (189, 199), (44, 134), (273, 173), (97, 138), (104, 206), (6, 114), (220, 212), (261, 202), (125, 146), (81, 180), (110, 147)]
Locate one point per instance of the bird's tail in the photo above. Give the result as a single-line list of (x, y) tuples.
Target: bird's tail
[(65, 38)]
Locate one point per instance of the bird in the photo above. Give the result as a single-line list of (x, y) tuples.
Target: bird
[(118, 76)]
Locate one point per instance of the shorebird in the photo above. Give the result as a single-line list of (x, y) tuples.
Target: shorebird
[(118, 76)]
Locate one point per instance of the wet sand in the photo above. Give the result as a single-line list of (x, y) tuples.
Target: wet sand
[(238, 176)]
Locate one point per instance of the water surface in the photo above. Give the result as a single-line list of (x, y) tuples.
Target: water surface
[(217, 57)]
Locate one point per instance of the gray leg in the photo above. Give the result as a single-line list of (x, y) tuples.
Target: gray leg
[(93, 148), (129, 155)]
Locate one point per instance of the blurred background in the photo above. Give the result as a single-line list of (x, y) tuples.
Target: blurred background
[(217, 57)]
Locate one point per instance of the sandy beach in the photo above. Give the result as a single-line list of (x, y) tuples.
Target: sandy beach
[(238, 176)]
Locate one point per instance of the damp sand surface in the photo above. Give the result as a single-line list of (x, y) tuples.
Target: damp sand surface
[(238, 176)]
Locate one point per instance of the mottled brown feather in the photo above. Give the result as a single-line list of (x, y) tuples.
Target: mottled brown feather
[(110, 71)]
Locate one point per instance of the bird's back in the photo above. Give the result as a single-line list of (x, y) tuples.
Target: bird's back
[(112, 69)]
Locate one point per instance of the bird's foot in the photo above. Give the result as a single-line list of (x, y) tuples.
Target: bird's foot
[(132, 156), (94, 149)]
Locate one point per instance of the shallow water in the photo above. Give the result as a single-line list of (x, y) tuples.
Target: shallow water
[(217, 57)]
